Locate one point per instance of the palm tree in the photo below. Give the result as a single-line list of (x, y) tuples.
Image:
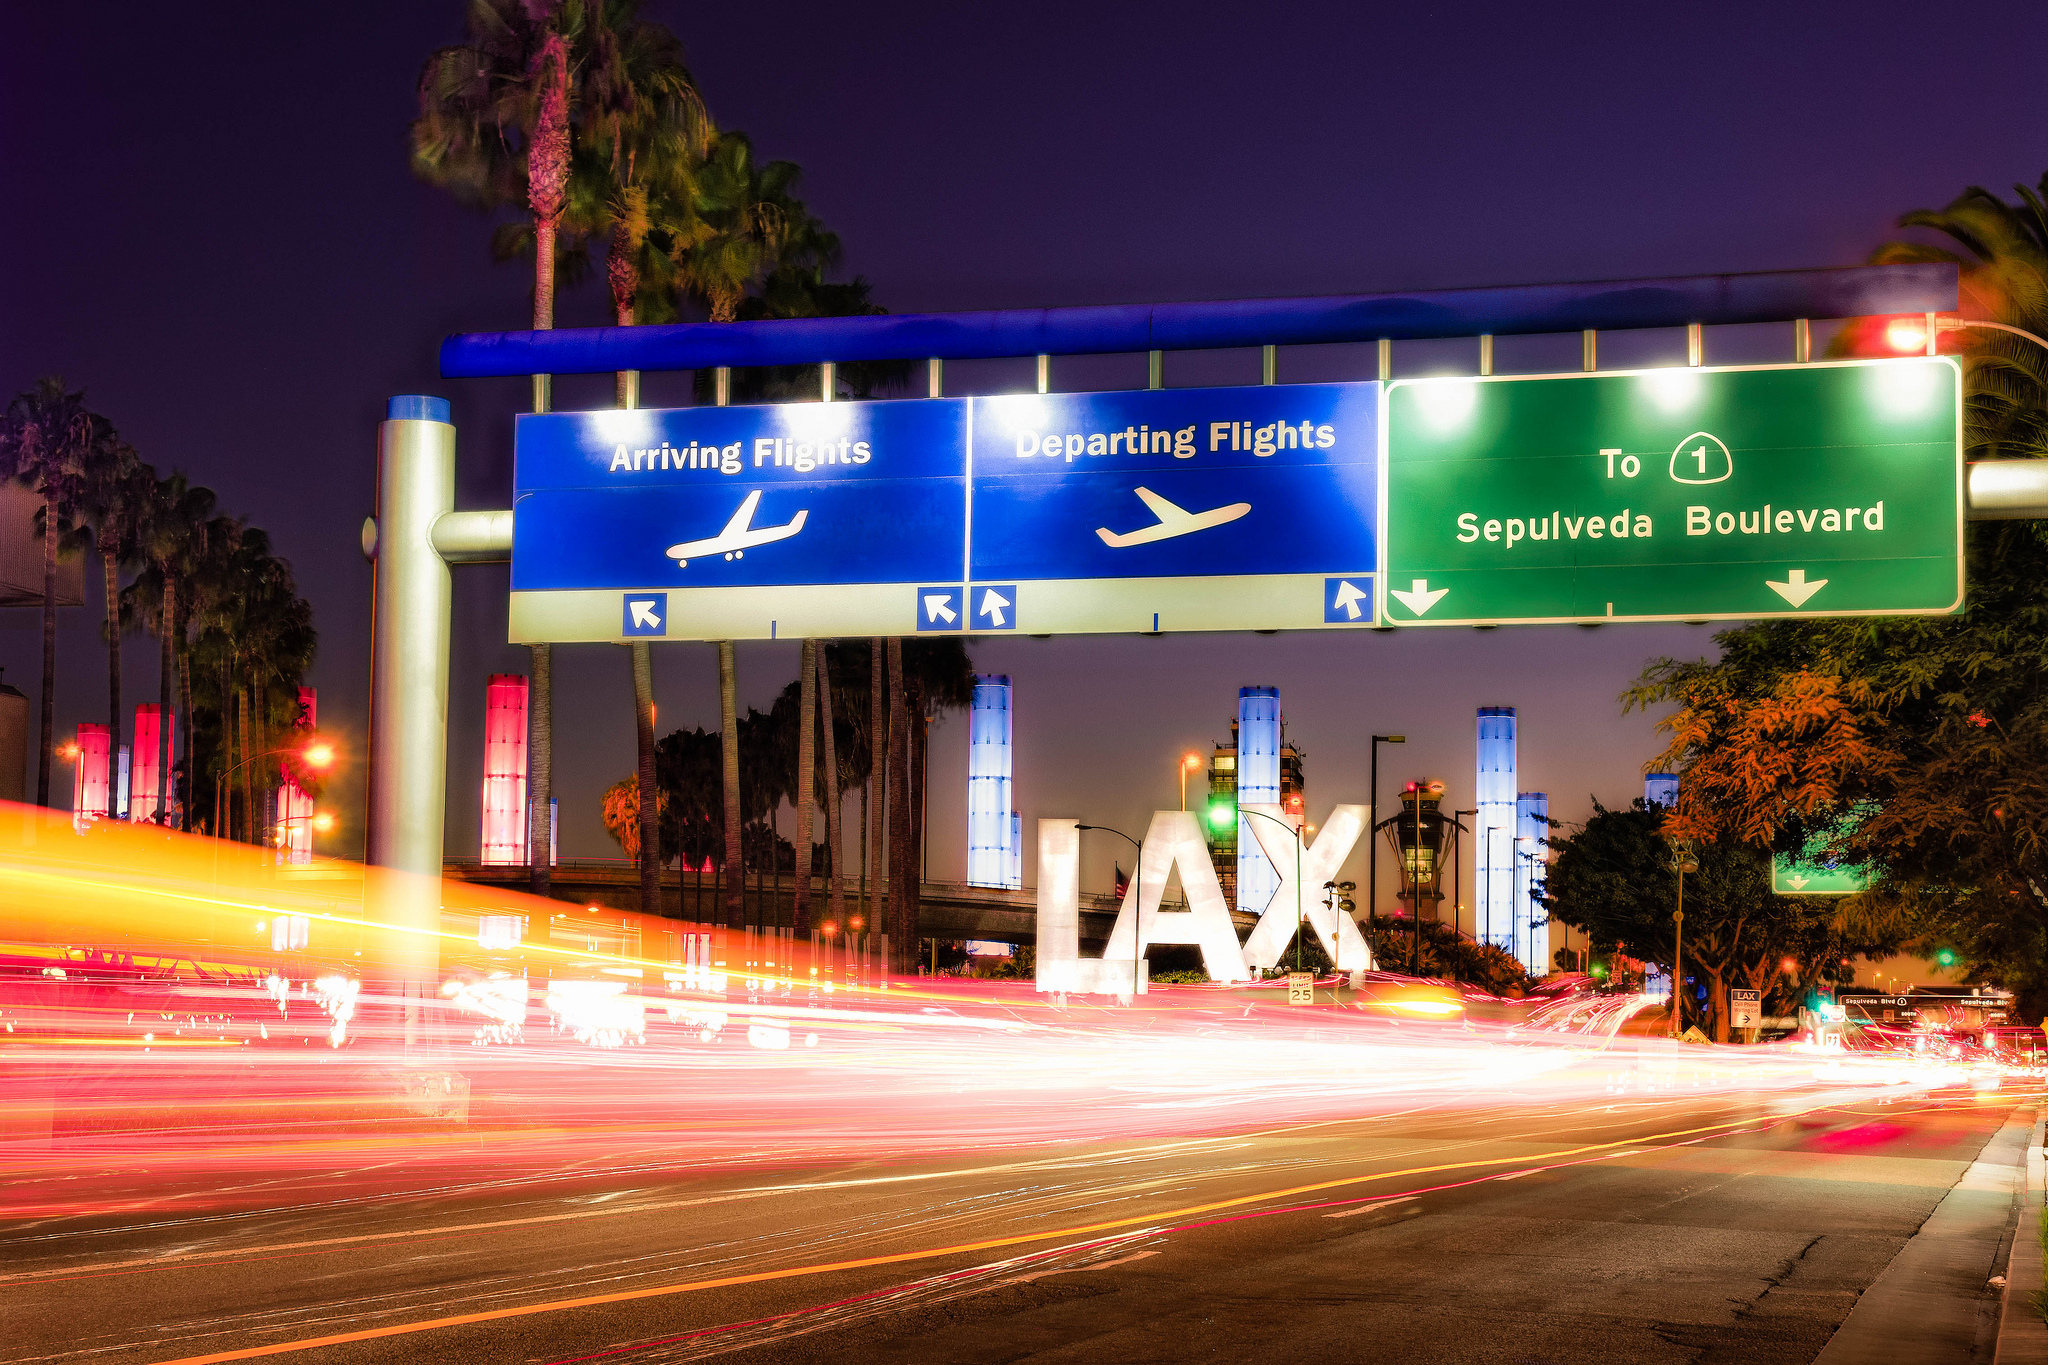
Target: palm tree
[(50, 440), (631, 181), (832, 788), (804, 790), (743, 210), (494, 130), (255, 641), (734, 863), (174, 543), (647, 799), (902, 917), (2001, 251), (116, 500)]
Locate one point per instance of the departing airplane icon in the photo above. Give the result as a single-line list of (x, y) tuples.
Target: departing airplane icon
[(738, 537), (1173, 521)]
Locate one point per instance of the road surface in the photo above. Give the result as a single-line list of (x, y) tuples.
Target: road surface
[(1720, 1227)]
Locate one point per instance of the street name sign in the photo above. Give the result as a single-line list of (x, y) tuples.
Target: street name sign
[(1247, 508), (1680, 494)]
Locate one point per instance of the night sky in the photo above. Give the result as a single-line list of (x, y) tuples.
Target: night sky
[(212, 228)]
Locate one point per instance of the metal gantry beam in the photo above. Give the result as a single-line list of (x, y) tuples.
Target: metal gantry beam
[(1708, 300)]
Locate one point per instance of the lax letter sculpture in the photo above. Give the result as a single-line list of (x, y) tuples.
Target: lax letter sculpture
[(1320, 863)]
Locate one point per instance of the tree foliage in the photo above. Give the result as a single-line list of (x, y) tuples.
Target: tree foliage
[(1916, 746)]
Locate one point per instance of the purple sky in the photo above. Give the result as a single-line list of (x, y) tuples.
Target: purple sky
[(213, 229)]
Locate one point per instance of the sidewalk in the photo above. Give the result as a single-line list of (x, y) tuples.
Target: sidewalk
[(2022, 1335), (1934, 1303)]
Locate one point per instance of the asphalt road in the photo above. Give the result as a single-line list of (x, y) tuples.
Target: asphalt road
[(1657, 1228)]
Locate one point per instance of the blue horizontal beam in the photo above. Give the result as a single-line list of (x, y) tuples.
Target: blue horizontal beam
[(1770, 296)]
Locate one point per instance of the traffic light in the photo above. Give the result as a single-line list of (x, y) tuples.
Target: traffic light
[(1946, 957), (1222, 811)]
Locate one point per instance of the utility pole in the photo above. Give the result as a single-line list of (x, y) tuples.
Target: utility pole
[(1372, 846), (1682, 861)]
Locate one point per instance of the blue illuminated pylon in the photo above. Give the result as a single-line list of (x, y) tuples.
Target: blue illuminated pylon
[(993, 857), (1258, 781), (1532, 849), (1493, 868)]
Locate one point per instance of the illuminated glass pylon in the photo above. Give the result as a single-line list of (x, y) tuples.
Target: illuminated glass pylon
[(89, 774), (143, 767), (1494, 862), (504, 794), (1258, 784), (1532, 858), (992, 827)]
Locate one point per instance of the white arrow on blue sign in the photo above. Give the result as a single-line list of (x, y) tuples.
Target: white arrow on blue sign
[(646, 614), (1348, 600), (995, 606), (939, 608)]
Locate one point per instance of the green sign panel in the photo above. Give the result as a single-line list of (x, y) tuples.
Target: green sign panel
[(1827, 489), (1811, 872), (1797, 877)]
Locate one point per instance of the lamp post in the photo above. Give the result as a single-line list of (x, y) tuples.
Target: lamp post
[(1486, 886), (1188, 764), (1138, 902), (1682, 862), (1297, 876), (1372, 847), (1458, 871)]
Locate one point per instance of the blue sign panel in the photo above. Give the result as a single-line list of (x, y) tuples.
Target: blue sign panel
[(802, 493), (1160, 510), (1176, 483)]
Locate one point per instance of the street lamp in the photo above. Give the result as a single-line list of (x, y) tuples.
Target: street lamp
[(1372, 847), (317, 756), (1914, 337), (1458, 871), (1137, 903), (1682, 862), (1188, 764), (1297, 876)]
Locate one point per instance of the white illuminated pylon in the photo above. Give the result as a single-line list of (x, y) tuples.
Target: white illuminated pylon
[(1320, 863)]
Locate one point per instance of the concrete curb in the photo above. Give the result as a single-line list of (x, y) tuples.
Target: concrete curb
[(1933, 1302), (2022, 1334)]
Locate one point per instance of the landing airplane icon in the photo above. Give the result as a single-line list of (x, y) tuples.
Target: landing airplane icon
[(738, 537), (1173, 521)]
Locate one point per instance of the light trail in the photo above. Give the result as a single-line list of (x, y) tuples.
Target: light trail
[(1158, 1223), (208, 1101)]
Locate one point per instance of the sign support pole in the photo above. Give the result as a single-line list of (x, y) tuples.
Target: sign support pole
[(409, 687)]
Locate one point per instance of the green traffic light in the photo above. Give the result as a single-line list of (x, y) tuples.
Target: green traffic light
[(1220, 814), (1946, 957)]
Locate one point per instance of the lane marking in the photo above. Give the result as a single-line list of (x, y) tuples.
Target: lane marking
[(1371, 1208), (900, 1257)]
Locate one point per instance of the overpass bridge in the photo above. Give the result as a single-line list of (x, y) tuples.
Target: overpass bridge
[(946, 910)]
